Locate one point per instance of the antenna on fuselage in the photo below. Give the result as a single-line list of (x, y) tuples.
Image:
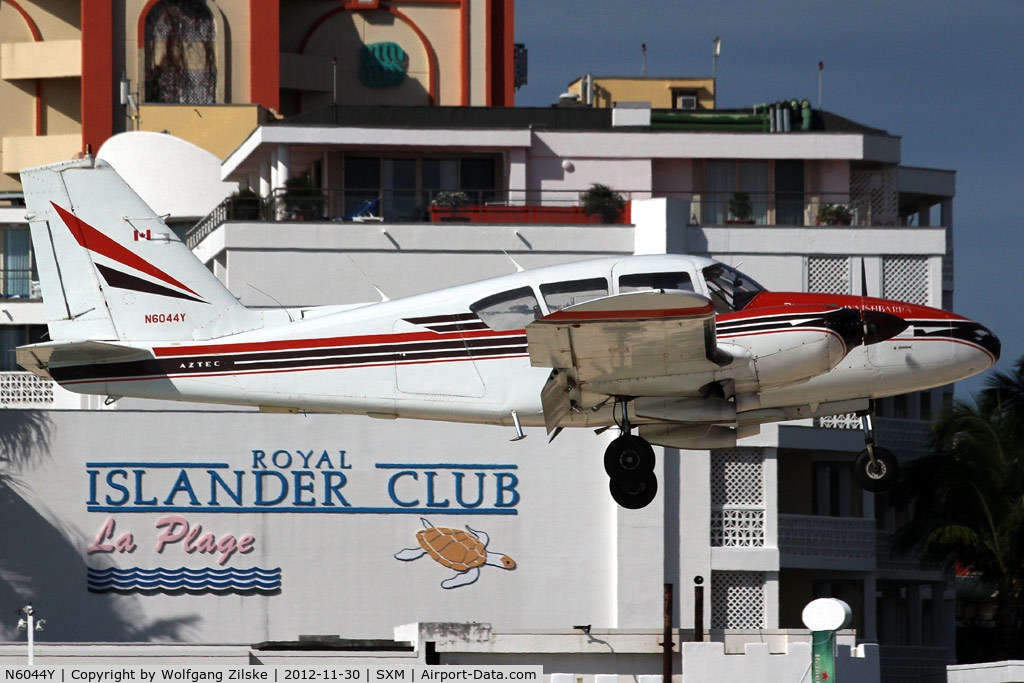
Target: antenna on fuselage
[(272, 298), (515, 263), (383, 297)]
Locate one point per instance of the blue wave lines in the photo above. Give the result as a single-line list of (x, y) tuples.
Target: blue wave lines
[(229, 579)]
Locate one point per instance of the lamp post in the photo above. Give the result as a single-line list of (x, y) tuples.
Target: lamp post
[(28, 623)]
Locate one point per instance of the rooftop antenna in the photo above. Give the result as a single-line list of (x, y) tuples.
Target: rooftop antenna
[(821, 67), (715, 51), (643, 60)]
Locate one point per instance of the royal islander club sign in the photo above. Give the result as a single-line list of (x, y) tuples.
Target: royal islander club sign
[(156, 503)]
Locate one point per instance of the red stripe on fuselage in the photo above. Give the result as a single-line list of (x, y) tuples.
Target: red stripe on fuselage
[(296, 344), (92, 239)]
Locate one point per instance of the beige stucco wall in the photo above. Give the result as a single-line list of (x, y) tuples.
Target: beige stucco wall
[(657, 91), (218, 129), (45, 59)]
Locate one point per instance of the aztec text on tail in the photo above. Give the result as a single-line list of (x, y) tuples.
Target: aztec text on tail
[(679, 351)]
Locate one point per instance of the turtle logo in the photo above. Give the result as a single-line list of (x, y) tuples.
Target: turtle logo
[(464, 551)]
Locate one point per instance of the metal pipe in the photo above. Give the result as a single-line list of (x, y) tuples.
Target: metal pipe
[(666, 645), (698, 609)]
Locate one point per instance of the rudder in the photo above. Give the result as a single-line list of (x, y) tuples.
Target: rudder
[(111, 269)]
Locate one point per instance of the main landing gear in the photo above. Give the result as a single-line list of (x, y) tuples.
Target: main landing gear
[(629, 462), (876, 469)]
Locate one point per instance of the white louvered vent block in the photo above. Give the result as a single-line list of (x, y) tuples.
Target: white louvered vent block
[(737, 527), (874, 197), (905, 278), (844, 421), (21, 389), (828, 274), (737, 476), (737, 600), (737, 498)]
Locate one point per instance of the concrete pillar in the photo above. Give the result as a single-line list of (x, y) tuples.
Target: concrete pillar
[(265, 181), (924, 214), (946, 216), (273, 169), (914, 614), (517, 178), (640, 538), (694, 514), (284, 164), (870, 609), (822, 489), (845, 492)]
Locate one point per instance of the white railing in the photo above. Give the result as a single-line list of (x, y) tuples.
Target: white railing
[(832, 537), (25, 390)]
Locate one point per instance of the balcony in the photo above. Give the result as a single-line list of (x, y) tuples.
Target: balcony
[(49, 59), (895, 565), (911, 664), (708, 210), (819, 542)]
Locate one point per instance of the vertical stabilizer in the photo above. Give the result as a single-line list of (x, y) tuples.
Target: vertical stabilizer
[(110, 269)]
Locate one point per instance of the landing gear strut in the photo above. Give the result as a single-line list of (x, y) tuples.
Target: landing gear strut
[(876, 469), (629, 462)]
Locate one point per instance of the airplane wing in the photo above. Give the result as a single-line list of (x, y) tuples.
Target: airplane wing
[(622, 337)]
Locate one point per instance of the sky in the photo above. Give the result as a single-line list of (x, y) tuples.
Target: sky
[(947, 77)]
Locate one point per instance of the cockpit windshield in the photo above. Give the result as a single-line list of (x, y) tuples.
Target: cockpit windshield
[(730, 289)]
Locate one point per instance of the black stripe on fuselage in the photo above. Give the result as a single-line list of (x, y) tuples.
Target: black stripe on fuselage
[(410, 352)]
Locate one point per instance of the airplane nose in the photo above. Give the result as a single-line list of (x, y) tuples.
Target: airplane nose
[(983, 337), (880, 326)]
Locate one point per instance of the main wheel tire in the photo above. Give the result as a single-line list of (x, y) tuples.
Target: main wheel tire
[(879, 477), (634, 495), (629, 459)]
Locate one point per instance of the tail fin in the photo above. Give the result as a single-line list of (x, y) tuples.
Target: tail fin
[(110, 269)]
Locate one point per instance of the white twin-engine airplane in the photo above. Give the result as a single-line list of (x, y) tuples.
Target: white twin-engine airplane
[(679, 351)]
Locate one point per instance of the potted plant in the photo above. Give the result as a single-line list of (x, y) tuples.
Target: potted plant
[(302, 199), (244, 205), (604, 202), (446, 203), (740, 208), (834, 214)]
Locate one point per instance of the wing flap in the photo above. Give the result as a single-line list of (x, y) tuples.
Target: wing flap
[(627, 336)]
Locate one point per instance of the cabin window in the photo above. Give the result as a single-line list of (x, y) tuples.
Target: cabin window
[(512, 310), (559, 295), (730, 289), (640, 282)]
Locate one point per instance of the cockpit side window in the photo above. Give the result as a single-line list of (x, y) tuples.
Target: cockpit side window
[(730, 289), (511, 310), (639, 282), (559, 295)]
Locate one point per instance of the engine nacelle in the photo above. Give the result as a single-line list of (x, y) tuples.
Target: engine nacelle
[(784, 358)]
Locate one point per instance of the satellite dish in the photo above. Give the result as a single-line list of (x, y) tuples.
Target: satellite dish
[(826, 614)]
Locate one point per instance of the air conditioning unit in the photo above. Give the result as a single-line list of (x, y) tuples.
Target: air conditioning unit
[(686, 101)]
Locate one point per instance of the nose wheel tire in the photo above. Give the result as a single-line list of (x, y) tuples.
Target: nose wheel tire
[(636, 494), (878, 476), (629, 458)]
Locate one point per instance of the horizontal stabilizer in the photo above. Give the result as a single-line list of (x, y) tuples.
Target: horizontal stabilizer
[(38, 358)]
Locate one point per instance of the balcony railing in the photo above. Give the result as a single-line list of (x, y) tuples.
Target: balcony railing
[(826, 538), (912, 664), (892, 561), (707, 209), (17, 283)]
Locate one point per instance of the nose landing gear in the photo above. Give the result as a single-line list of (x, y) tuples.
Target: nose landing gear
[(629, 462), (876, 469)]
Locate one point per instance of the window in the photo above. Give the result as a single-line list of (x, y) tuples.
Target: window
[(730, 289), (17, 263), (559, 295), (13, 336), (639, 282), (725, 179), (512, 310), (181, 59)]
